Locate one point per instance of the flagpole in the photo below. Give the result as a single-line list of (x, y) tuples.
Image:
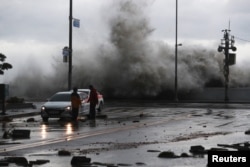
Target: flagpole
[(70, 45)]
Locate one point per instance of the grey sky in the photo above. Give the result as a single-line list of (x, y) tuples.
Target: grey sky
[(37, 30)]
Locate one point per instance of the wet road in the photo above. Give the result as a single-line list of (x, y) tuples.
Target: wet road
[(133, 134)]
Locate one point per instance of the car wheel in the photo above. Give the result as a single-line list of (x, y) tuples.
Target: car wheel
[(45, 119)]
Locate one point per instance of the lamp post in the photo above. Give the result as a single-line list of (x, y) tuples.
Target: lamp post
[(70, 45), (176, 51)]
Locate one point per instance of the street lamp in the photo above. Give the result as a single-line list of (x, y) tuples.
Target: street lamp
[(176, 51), (70, 45)]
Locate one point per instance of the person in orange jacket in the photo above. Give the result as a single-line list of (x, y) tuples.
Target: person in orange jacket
[(93, 100), (75, 103)]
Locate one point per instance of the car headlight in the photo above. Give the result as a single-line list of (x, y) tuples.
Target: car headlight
[(43, 108), (68, 108)]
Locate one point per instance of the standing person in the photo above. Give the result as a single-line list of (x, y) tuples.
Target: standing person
[(75, 103), (93, 99)]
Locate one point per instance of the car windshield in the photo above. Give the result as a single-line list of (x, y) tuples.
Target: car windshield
[(60, 97), (83, 95), (85, 91)]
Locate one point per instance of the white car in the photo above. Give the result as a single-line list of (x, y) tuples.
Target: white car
[(59, 106), (100, 104)]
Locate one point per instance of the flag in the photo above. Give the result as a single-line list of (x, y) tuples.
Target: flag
[(76, 23)]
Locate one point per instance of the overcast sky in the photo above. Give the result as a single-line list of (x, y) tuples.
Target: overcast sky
[(37, 30)]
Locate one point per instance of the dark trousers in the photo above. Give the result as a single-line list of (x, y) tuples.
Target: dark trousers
[(75, 113), (92, 111)]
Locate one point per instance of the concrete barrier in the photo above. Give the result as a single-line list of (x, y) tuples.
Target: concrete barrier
[(20, 133)]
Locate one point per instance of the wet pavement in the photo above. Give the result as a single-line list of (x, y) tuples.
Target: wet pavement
[(133, 134)]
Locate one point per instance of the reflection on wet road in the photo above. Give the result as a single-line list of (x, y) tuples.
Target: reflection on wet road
[(67, 131), (135, 130)]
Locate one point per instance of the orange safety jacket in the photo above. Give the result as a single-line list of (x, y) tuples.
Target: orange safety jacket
[(75, 100)]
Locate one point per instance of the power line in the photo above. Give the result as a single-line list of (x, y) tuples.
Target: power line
[(241, 39)]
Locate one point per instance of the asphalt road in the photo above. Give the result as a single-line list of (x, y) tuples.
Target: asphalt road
[(133, 134)]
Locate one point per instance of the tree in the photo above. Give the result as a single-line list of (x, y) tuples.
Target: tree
[(3, 65)]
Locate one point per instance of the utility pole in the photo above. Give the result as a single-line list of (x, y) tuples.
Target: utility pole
[(176, 52), (70, 45), (227, 43)]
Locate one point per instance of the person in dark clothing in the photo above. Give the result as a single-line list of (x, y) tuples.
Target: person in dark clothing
[(75, 104), (93, 100)]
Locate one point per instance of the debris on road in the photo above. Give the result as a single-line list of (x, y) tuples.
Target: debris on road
[(167, 154), (30, 120), (22, 161), (64, 153), (238, 146), (39, 162), (197, 149), (80, 160), (21, 133), (16, 134), (247, 132)]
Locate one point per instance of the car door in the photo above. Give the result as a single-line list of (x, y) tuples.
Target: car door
[(84, 104)]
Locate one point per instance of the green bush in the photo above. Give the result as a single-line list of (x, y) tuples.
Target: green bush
[(15, 100)]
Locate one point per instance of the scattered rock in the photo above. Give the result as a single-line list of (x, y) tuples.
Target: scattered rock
[(197, 115), (153, 151), (167, 154), (30, 120), (140, 163), (39, 162), (184, 155), (218, 149), (80, 160), (20, 133), (22, 161), (247, 132), (64, 153), (124, 164), (112, 166), (198, 149), (104, 164), (238, 146)]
